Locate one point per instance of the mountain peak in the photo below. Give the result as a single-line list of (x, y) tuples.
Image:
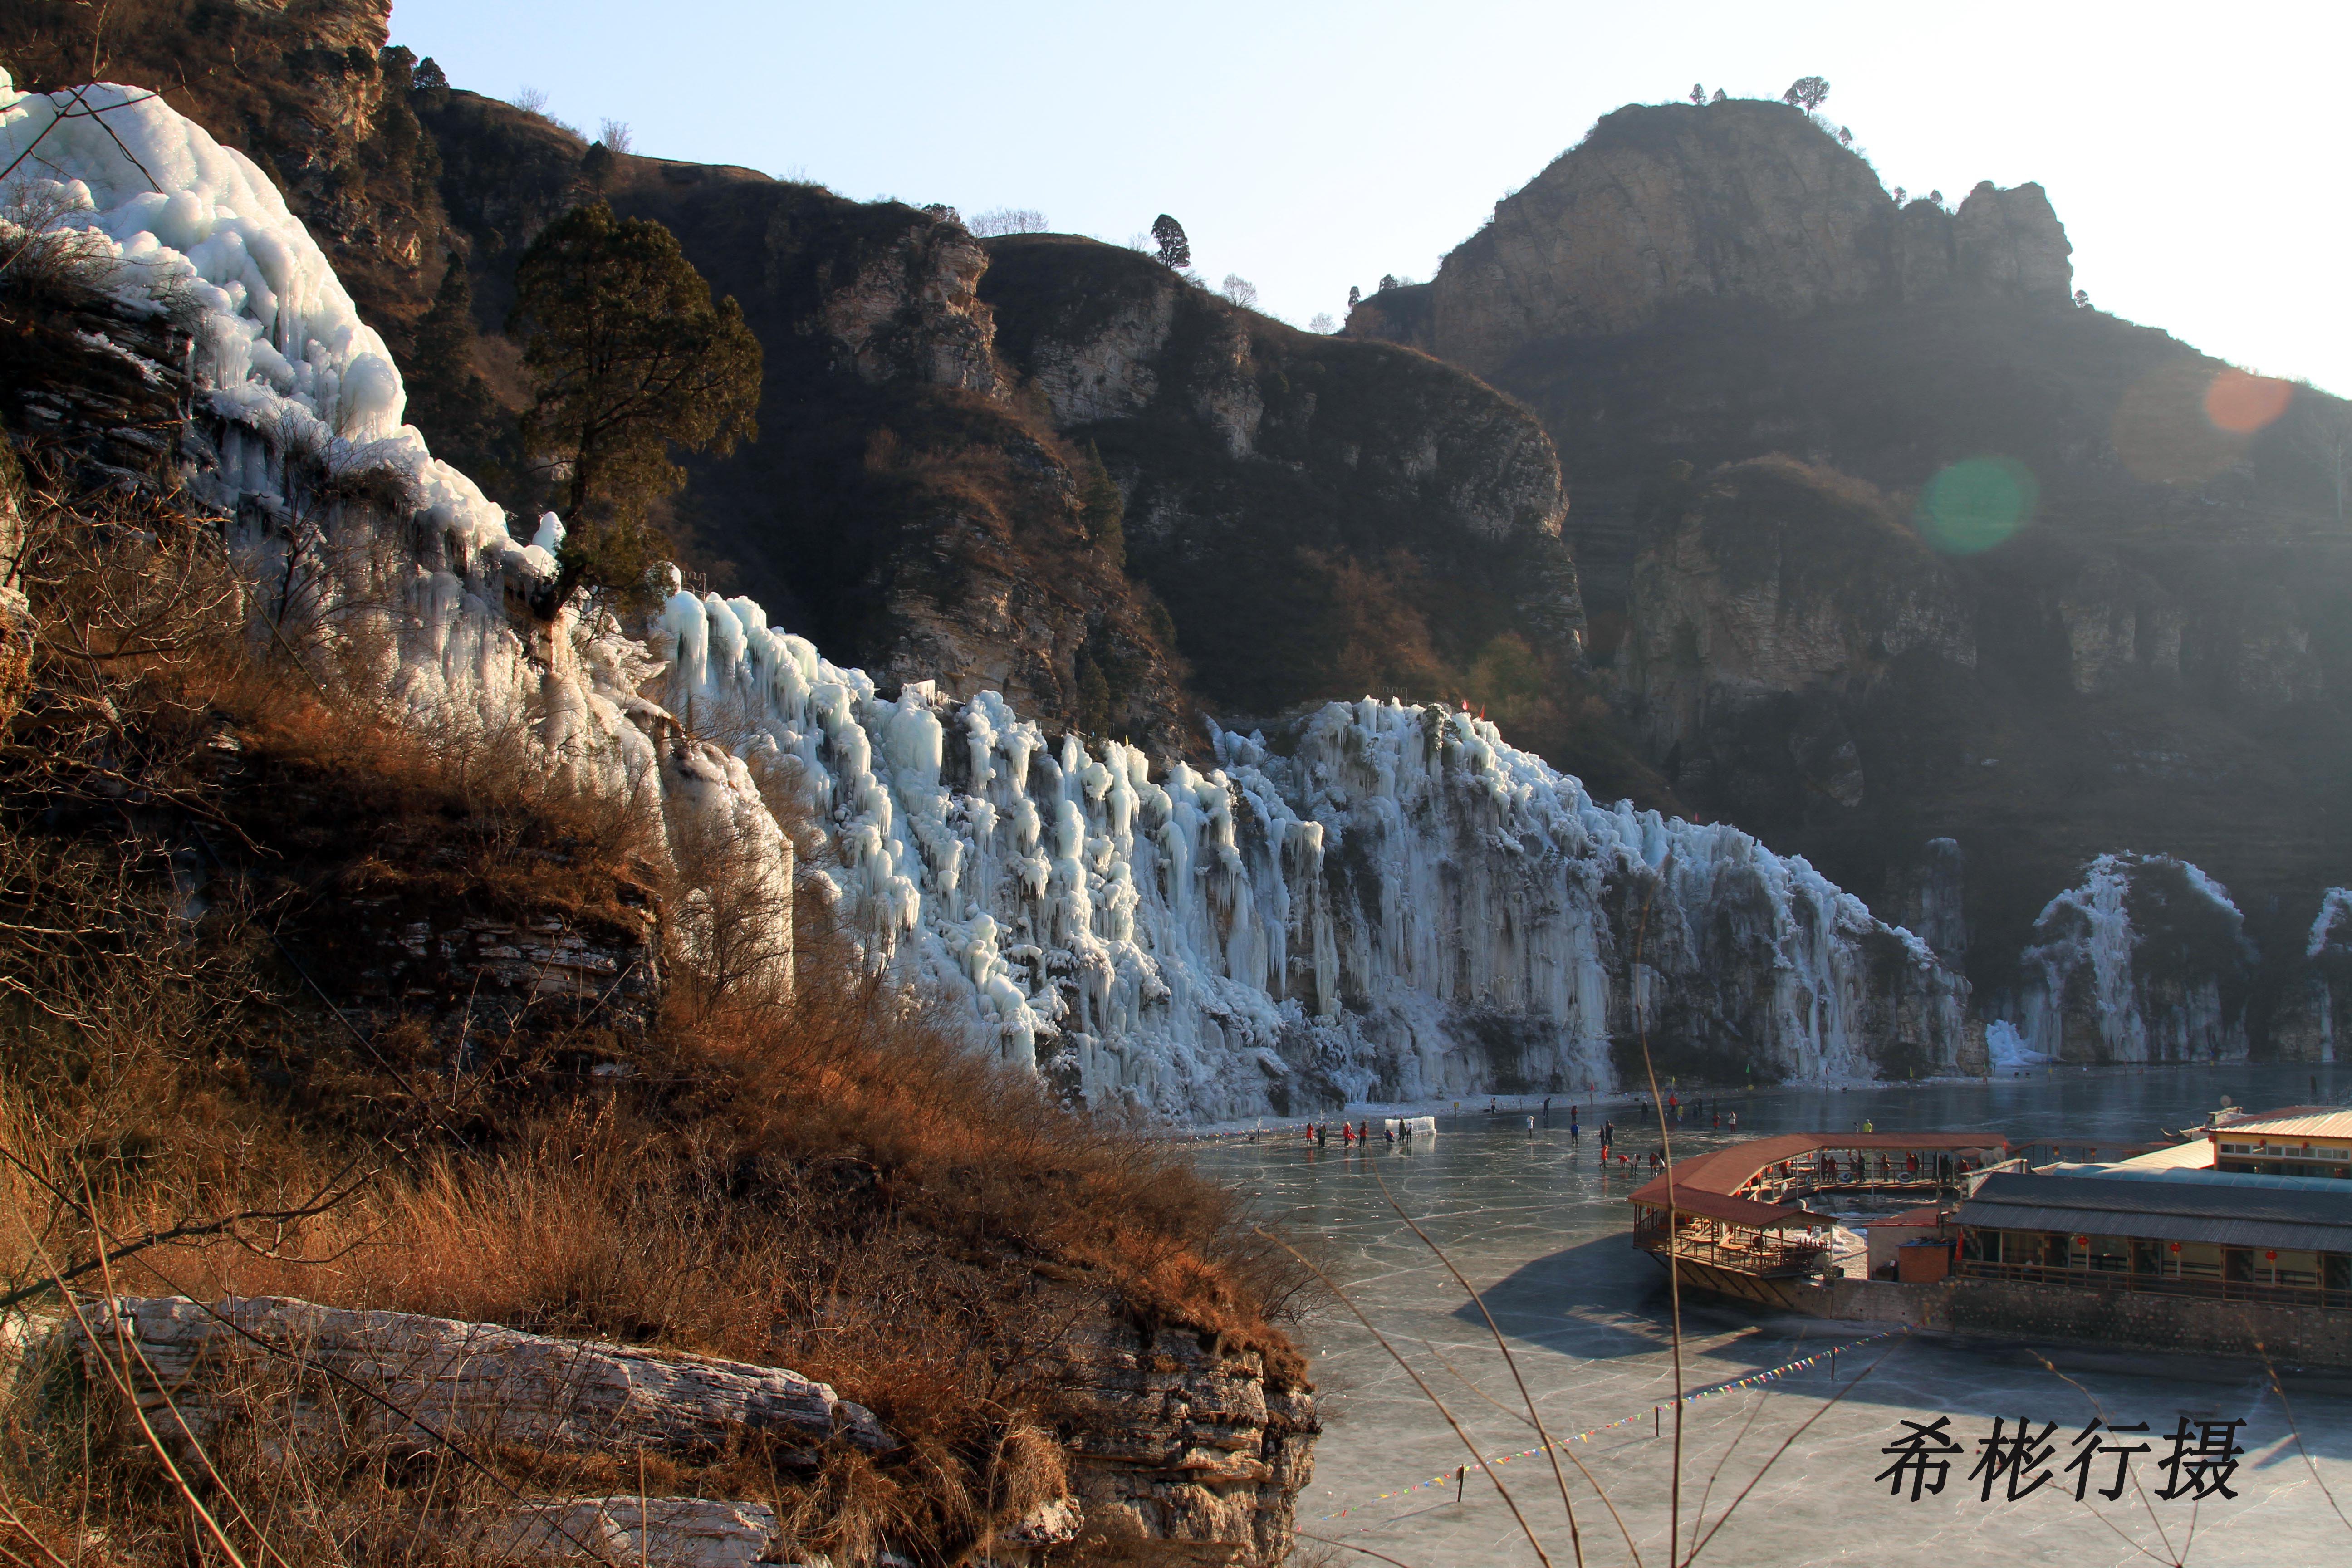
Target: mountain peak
[(1668, 204)]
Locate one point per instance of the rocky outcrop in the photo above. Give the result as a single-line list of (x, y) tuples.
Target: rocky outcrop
[(1178, 1448), (424, 1383), (1183, 1449), (1784, 588), (907, 310), (1739, 202)]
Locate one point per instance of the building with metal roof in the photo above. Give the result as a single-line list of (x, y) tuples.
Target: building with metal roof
[(2299, 1140), (2241, 1236)]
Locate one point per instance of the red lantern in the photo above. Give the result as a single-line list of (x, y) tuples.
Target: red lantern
[(2175, 1246), (2270, 1257)]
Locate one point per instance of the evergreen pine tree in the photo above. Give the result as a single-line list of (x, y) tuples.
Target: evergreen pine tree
[(1103, 510), (1175, 249)]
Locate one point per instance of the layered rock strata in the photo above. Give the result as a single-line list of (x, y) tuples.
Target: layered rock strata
[(1183, 1451)]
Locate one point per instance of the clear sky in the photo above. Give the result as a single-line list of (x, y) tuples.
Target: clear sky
[(2197, 154)]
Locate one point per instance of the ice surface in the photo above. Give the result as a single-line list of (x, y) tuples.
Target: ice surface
[(1387, 901), (1541, 1233)]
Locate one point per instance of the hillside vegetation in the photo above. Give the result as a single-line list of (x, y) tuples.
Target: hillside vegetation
[(206, 1087)]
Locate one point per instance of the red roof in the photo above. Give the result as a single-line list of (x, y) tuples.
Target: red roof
[(1724, 1172), (1910, 1220)]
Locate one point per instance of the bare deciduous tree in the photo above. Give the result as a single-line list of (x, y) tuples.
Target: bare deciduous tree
[(1240, 291), (1321, 322), (615, 135), (1008, 220)]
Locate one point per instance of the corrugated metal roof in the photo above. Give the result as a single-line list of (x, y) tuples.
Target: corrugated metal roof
[(2196, 1153), (1728, 1169), (2320, 1124), (2181, 1206), (2208, 1177)]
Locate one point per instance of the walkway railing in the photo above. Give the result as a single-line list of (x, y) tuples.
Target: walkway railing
[(1743, 1254)]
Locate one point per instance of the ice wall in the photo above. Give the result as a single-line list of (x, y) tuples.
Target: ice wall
[(2145, 959), (1384, 902), (2311, 1022), (1380, 901)]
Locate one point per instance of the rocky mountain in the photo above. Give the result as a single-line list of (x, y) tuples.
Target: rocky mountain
[(1879, 542), (1883, 541)]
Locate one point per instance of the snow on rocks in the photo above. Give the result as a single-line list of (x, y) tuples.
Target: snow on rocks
[(2146, 960), (1384, 902)]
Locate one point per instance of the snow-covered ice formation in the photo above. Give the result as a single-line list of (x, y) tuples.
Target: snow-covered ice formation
[(1381, 902), (1387, 902), (2313, 1025), (2146, 960)]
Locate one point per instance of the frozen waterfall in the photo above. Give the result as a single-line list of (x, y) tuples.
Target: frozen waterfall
[(1381, 901)]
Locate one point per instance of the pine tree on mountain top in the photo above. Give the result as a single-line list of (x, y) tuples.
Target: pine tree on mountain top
[(1175, 251), (1807, 92), (628, 355)]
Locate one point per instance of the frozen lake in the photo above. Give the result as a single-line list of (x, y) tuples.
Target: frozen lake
[(1540, 1232)]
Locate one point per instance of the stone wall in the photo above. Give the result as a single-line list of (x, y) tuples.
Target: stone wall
[(2136, 1319)]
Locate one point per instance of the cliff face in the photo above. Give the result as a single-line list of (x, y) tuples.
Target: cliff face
[(1323, 517), (1881, 542), (305, 87)]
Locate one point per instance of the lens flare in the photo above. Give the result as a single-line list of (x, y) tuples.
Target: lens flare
[(2243, 404), (1976, 503), (2166, 431)]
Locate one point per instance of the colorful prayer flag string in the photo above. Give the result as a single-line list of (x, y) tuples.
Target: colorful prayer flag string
[(1752, 1379)]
